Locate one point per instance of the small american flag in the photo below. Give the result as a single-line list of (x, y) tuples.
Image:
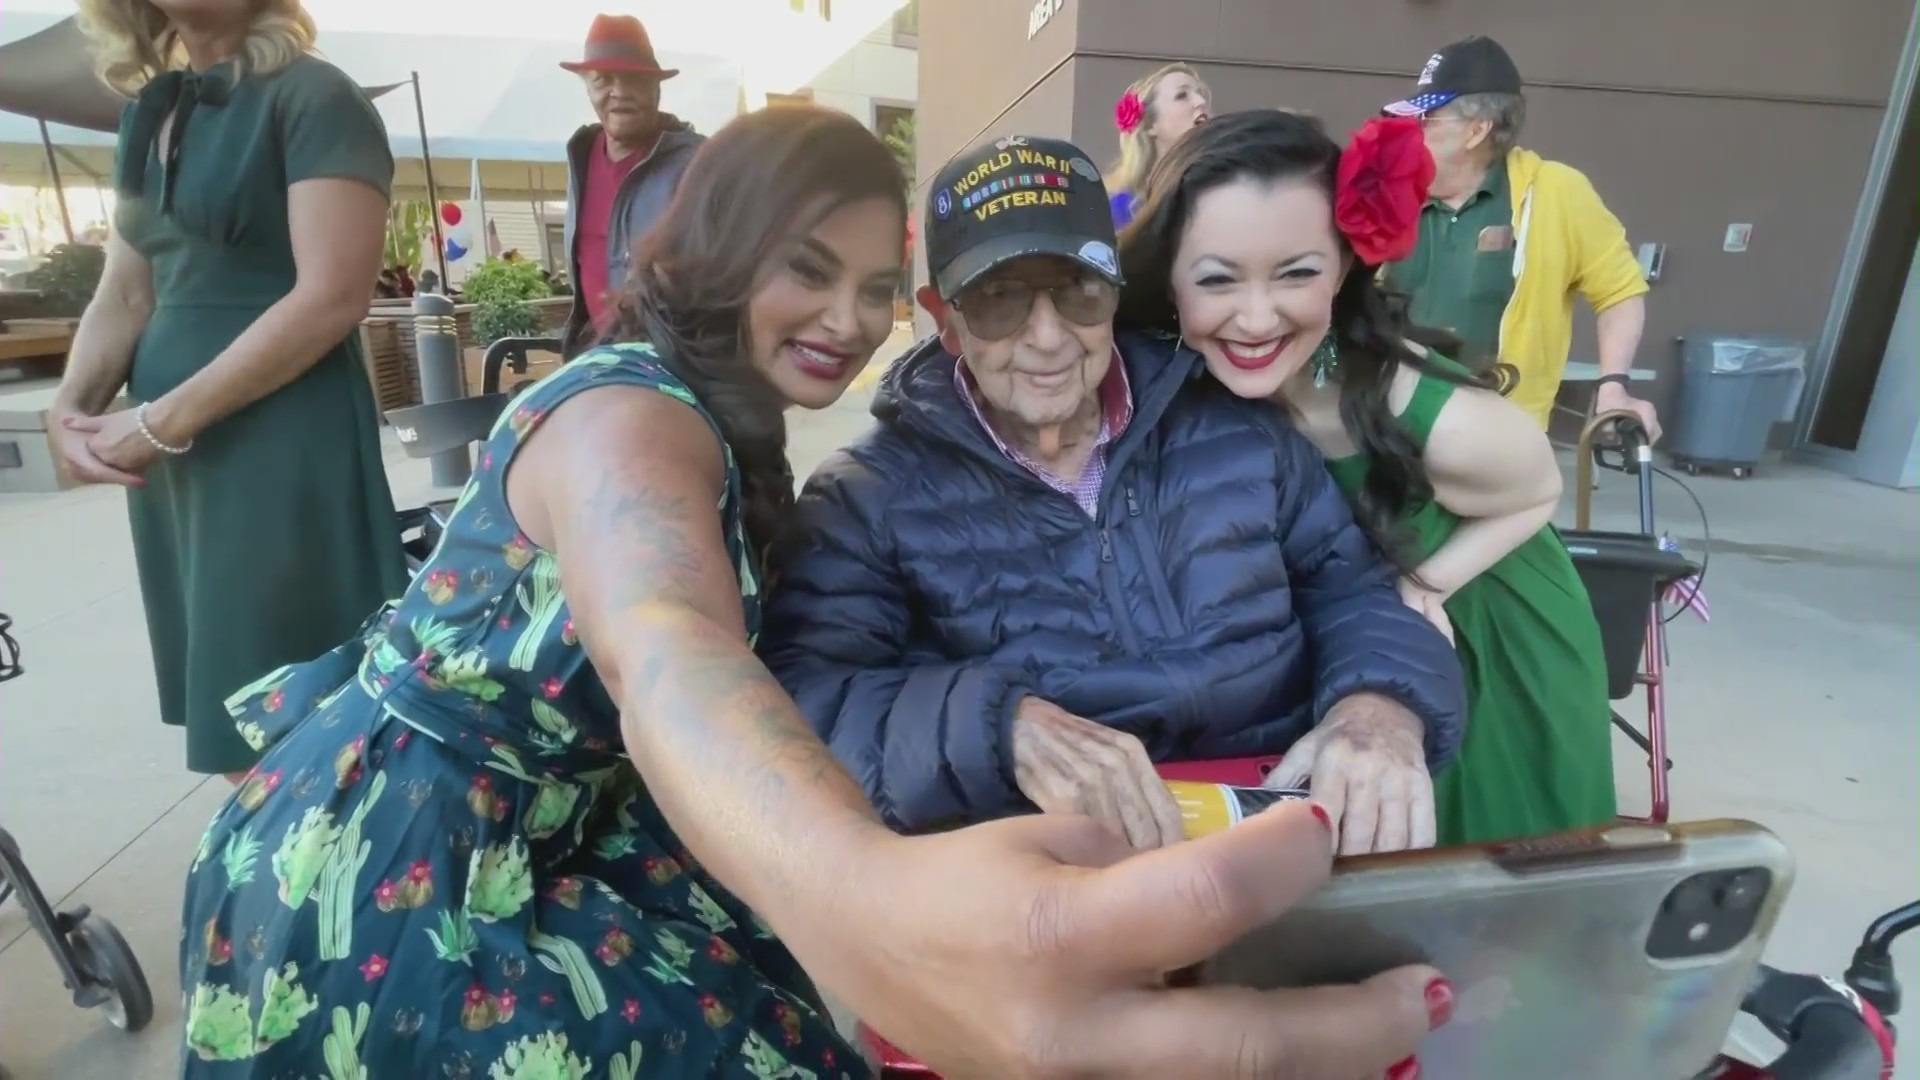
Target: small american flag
[(1687, 592)]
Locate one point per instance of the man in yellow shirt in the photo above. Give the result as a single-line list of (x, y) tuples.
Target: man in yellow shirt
[(1507, 238)]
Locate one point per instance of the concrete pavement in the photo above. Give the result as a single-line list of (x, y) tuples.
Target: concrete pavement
[(1795, 707)]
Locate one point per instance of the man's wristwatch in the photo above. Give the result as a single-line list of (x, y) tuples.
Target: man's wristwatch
[(1617, 377)]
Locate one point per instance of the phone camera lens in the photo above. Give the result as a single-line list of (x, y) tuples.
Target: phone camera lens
[(1742, 892), (1689, 899)]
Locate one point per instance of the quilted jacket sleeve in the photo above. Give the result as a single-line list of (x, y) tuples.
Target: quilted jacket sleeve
[(926, 737), (1363, 638)]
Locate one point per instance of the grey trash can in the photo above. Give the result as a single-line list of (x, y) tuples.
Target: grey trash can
[(1732, 391)]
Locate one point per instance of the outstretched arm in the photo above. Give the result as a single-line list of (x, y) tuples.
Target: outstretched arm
[(623, 489)]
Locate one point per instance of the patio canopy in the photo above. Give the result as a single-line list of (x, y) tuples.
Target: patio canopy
[(500, 99), (48, 75)]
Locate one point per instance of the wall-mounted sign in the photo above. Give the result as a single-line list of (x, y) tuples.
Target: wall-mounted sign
[(1041, 14)]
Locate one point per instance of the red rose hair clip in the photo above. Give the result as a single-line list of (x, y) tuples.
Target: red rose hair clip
[(1384, 175), (1128, 112)]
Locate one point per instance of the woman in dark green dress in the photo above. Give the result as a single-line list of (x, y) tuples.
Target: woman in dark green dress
[(1256, 239), (253, 189)]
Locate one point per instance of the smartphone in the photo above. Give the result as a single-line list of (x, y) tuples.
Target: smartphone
[(1619, 952)]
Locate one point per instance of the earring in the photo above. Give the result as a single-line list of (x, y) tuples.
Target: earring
[(1326, 357)]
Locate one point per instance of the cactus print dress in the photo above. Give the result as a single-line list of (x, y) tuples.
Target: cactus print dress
[(445, 868)]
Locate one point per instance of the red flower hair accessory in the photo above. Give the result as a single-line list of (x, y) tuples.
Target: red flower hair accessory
[(1128, 112), (1384, 175)]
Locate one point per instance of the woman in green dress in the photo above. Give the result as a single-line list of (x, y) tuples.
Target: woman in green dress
[(1258, 241), (253, 181)]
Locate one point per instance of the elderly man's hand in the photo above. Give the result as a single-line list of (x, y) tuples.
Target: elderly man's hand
[(1366, 764), (1612, 397), (1069, 765)]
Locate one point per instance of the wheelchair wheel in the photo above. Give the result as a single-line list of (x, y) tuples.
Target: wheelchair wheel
[(106, 960)]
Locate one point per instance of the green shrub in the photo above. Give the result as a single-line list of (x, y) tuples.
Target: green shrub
[(68, 278), (500, 290)]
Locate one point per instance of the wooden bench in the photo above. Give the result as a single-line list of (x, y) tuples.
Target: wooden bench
[(35, 348)]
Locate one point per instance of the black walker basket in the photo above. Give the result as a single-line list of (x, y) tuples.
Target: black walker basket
[(1625, 575)]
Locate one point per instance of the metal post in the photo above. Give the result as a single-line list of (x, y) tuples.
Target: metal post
[(433, 190), (59, 190), (436, 336)]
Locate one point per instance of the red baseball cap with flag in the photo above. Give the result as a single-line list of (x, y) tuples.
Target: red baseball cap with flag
[(619, 45)]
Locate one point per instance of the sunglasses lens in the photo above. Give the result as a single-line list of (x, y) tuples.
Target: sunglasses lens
[(1000, 309), (997, 310), (1087, 302)]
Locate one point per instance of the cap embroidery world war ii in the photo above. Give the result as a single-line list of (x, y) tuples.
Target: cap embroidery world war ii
[(1013, 197)]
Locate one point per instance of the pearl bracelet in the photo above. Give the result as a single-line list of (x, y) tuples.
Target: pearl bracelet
[(140, 418)]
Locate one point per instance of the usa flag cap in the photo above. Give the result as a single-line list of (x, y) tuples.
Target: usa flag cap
[(1477, 65)]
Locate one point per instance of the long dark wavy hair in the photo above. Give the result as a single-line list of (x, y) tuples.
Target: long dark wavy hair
[(1269, 146), (760, 182)]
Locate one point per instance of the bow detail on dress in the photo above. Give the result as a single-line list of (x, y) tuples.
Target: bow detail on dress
[(176, 93)]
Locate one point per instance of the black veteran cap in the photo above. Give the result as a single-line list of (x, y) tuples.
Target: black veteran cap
[(1012, 197)]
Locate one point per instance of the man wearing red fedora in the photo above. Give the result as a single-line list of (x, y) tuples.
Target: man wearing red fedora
[(622, 171)]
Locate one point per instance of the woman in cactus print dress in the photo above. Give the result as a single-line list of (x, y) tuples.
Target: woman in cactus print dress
[(445, 866)]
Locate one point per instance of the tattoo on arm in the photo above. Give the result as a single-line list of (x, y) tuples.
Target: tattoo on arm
[(731, 762), (726, 754), (646, 529), (705, 672)]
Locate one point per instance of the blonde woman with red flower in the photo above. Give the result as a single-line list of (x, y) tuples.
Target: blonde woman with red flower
[(1154, 112), (1257, 240)]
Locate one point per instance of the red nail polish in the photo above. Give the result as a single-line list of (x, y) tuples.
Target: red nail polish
[(1406, 1070), (1439, 1002), (1321, 813)]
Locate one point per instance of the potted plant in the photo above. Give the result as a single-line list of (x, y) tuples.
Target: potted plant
[(67, 280), (406, 224), (900, 140), (500, 291)]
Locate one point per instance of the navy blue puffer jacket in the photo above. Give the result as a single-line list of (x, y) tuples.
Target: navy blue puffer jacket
[(1220, 603)]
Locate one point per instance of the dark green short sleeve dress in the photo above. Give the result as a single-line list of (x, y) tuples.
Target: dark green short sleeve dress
[(1538, 756), (274, 536)]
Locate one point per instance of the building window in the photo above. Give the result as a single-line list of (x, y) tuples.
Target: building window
[(906, 23), (893, 122), (821, 8)]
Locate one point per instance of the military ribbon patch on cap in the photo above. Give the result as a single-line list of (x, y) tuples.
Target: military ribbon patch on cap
[(1012, 183)]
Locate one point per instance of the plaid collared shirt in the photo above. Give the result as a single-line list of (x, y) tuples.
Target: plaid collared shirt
[(1116, 402)]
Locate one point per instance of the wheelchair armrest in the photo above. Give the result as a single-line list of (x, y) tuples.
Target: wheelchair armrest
[(511, 350), (426, 430)]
